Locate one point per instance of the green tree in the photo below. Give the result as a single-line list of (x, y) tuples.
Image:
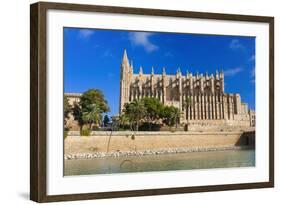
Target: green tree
[(135, 111), (115, 120), (176, 115), (187, 104), (91, 114), (105, 120), (78, 115), (123, 120), (153, 109), (66, 109), (90, 108), (170, 115), (94, 96)]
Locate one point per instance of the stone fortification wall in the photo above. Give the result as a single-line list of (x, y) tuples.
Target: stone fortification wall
[(219, 125), (124, 141)]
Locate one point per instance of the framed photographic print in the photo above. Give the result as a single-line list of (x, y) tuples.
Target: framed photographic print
[(134, 102)]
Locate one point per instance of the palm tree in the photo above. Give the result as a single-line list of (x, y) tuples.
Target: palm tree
[(170, 115), (123, 120), (92, 115), (66, 110), (135, 111), (153, 108), (187, 105), (176, 116), (78, 115)]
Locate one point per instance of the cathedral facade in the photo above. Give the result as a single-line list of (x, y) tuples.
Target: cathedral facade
[(200, 98)]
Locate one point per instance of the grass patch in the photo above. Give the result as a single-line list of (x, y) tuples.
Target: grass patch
[(65, 134), (85, 132)]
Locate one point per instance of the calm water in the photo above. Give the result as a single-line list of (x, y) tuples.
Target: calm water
[(195, 160)]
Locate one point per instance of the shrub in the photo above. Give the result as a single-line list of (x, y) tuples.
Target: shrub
[(133, 137), (85, 132), (146, 126), (95, 128), (65, 134)]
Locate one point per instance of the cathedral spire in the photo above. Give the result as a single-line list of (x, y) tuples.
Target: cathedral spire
[(132, 68), (125, 58), (125, 66), (221, 73), (140, 72), (163, 71), (217, 74), (179, 72)]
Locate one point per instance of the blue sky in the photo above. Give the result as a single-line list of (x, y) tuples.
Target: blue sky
[(92, 59)]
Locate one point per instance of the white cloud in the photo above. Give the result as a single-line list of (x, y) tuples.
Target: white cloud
[(86, 33), (142, 39), (236, 44), (233, 71)]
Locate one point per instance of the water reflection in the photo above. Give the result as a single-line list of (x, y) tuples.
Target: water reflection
[(186, 161)]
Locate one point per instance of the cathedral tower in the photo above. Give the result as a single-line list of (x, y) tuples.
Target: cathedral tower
[(126, 71)]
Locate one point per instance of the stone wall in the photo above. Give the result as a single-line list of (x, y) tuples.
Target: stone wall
[(219, 125), (124, 141)]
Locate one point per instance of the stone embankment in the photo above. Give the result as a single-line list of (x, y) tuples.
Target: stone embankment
[(120, 144), (149, 152)]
